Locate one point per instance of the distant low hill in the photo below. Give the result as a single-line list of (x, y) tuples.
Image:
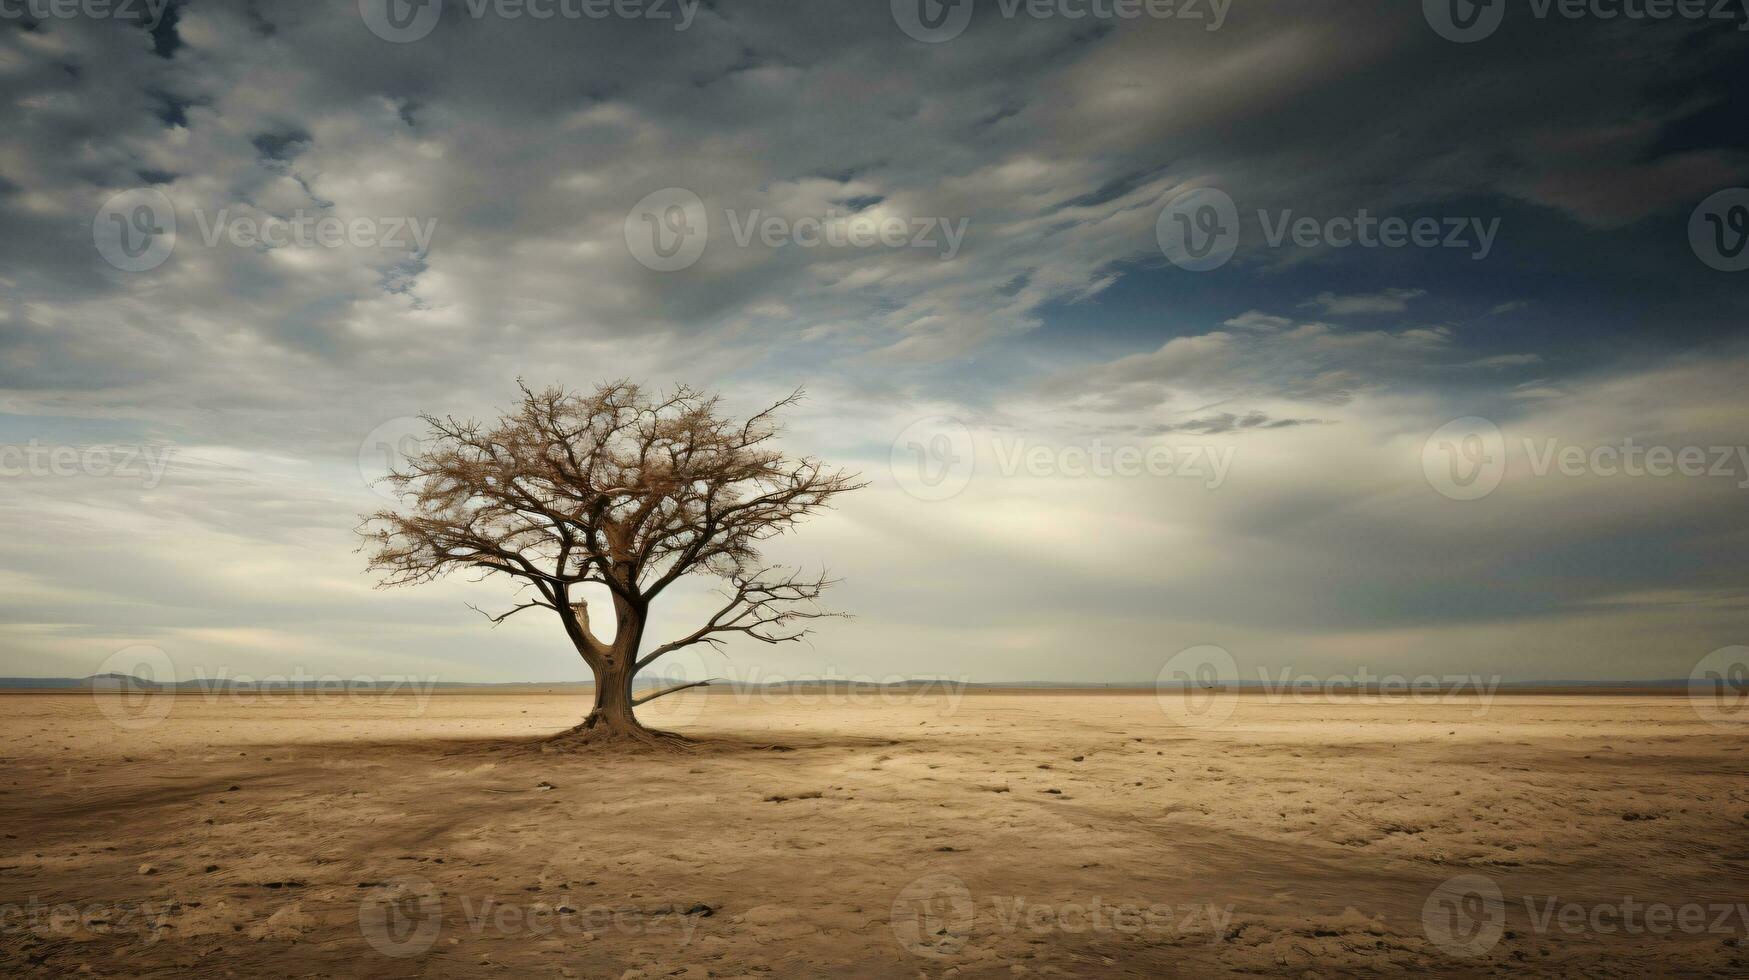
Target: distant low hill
[(116, 683)]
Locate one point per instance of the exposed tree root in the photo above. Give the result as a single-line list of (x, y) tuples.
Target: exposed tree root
[(588, 736)]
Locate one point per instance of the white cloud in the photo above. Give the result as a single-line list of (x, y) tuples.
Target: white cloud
[(1058, 146)]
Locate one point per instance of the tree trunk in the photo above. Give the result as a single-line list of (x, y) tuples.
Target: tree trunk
[(613, 718), (613, 713)]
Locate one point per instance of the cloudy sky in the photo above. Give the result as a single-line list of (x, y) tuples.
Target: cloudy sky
[(1046, 273)]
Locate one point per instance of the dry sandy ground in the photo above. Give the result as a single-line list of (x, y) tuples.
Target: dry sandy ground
[(994, 836)]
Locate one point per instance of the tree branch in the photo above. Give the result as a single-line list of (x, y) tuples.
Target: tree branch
[(666, 691), (612, 487), (763, 610), (518, 608)]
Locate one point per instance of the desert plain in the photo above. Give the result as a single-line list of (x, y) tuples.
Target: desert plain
[(923, 834)]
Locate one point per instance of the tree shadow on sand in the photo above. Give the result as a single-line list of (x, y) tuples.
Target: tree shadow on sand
[(581, 743)]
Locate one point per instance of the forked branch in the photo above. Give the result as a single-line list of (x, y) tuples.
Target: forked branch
[(765, 609)]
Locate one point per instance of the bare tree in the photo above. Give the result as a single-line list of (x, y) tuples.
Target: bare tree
[(615, 490)]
